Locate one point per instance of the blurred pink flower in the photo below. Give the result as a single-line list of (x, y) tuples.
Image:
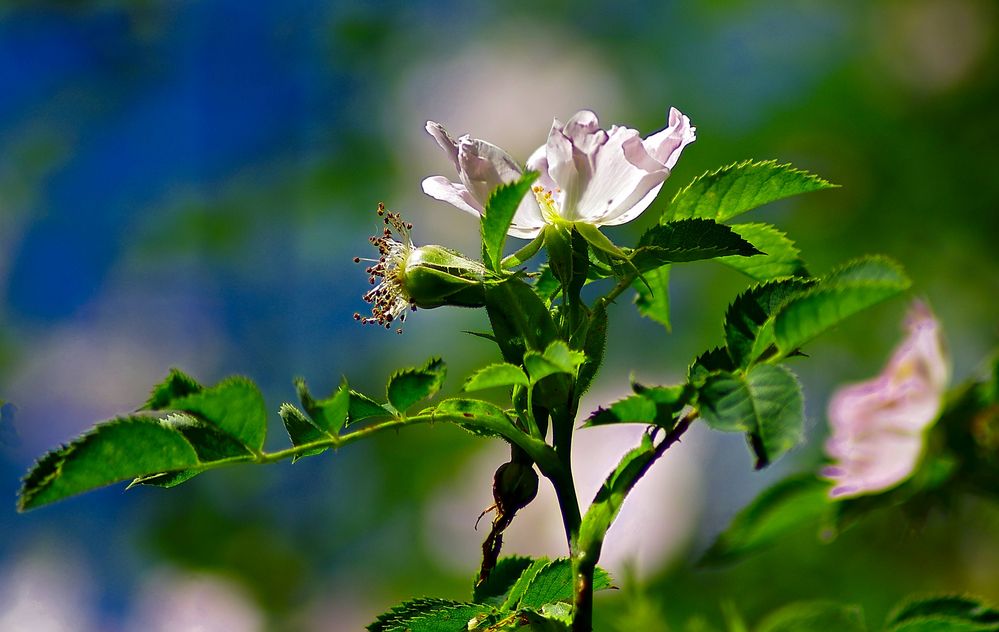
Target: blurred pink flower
[(878, 425), (587, 174)]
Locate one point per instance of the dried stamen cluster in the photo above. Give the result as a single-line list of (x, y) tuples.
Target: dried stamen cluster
[(389, 299)]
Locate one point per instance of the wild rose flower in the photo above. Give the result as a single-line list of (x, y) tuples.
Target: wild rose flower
[(586, 174), (878, 425), (407, 277)]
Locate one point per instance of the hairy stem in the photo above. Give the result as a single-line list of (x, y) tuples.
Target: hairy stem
[(598, 520)]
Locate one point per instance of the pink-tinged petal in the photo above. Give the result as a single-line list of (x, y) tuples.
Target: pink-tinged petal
[(878, 425), (573, 151), (666, 145), (445, 141), (484, 166), (539, 162), (888, 460), (584, 132), (441, 188), (624, 174)]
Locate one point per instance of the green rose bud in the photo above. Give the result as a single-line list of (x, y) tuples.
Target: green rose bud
[(411, 277)]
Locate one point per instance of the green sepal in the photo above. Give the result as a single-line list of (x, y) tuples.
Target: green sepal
[(730, 191), (598, 240), (765, 402), (498, 215), (114, 451)]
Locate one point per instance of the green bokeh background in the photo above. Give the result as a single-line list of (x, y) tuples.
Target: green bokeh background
[(185, 184)]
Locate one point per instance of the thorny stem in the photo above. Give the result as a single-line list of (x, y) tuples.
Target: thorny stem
[(587, 548)]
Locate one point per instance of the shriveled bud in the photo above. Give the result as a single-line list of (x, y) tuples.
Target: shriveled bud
[(515, 485)]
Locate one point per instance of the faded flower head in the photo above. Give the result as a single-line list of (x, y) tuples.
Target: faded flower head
[(586, 174), (878, 425), (407, 277)]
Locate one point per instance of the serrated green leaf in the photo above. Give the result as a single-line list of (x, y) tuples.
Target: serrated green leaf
[(942, 624), (594, 344), (765, 402), (751, 310), (408, 386), (520, 587), (118, 450), (235, 406), (721, 195), (546, 285), (301, 430), (507, 571), (476, 416), (610, 497), (669, 400), (566, 359), (850, 289), (519, 318), (688, 240), (652, 295), (958, 607), (208, 440), (710, 361), (177, 384), (502, 374), (498, 214), (782, 258), (328, 415), (813, 616), (789, 505), (553, 582), (428, 615), (166, 480), (632, 409), (362, 407), (540, 367)]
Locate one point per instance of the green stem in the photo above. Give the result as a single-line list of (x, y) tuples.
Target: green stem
[(598, 520), (538, 450)]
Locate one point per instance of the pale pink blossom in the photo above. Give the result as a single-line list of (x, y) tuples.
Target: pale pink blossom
[(878, 425), (586, 174)]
